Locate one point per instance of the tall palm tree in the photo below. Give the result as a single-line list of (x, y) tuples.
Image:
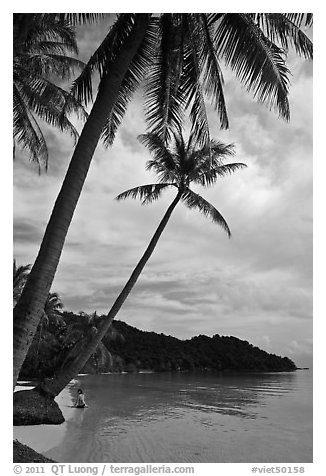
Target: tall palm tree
[(177, 166), (40, 47), (180, 56)]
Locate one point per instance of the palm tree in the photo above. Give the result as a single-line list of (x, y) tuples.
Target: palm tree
[(40, 46), (178, 167), (52, 310), (180, 56), (51, 317), (20, 275), (78, 334)]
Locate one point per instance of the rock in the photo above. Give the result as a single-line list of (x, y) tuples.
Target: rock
[(32, 408), (25, 454)]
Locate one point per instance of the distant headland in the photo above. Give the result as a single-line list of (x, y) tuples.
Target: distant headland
[(128, 349)]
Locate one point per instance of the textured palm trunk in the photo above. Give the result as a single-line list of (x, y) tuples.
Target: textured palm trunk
[(29, 309), (52, 387)]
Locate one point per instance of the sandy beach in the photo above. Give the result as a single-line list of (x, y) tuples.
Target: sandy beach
[(44, 437)]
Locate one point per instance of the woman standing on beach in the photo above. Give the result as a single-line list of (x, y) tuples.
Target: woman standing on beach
[(80, 400)]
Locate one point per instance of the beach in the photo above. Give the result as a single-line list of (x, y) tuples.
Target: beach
[(42, 438)]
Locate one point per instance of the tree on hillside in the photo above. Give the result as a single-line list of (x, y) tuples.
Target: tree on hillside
[(20, 274), (52, 316), (177, 166), (180, 56), (78, 334), (44, 352)]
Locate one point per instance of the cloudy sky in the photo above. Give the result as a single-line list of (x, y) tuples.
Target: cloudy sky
[(256, 286)]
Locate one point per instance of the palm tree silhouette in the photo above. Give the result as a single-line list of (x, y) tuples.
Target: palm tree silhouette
[(176, 166)]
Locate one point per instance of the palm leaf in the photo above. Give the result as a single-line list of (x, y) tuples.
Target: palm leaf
[(49, 102), (209, 176), (193, 200), (203, 162), (20, 274), (135, 74), (191, 83), (212, 74), (257, 61), (300, 19), (31, 28), (46, 65), (146, 193), (103, 57), (164, 162), (27, 132), (285, 29), (82, 18), (164, 99)]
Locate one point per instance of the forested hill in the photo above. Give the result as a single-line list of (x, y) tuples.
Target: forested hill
[(141, 350), (125, 348)]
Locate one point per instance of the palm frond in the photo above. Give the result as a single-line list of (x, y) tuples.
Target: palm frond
[(83, 18), (156, 145), (103, 57), (135, 74), (193, 200), (191, 85), (165, 101), (41, 42), (146, 193), (20, 273), (163, 163), (257, 61), (47, 65), (27, 132), (285, 30), (209, 176), (180, 150), (31, 28), (300, 19), (212, 74), (212, 18), (217, 152), (49, 102), (203, 162)]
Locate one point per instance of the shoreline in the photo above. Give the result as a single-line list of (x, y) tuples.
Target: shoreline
[(42, 438)]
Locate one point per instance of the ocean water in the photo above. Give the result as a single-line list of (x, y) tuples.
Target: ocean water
[(196, 417)]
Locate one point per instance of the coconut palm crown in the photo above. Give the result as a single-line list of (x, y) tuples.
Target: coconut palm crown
[(182, 164), (40, 62)]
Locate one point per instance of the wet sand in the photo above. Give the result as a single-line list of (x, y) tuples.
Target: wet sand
[(44, 437)]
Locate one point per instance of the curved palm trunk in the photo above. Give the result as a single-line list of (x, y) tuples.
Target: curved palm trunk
[(29, 309), (53, 387)]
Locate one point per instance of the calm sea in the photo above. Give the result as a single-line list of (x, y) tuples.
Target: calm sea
[(191, 417)]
